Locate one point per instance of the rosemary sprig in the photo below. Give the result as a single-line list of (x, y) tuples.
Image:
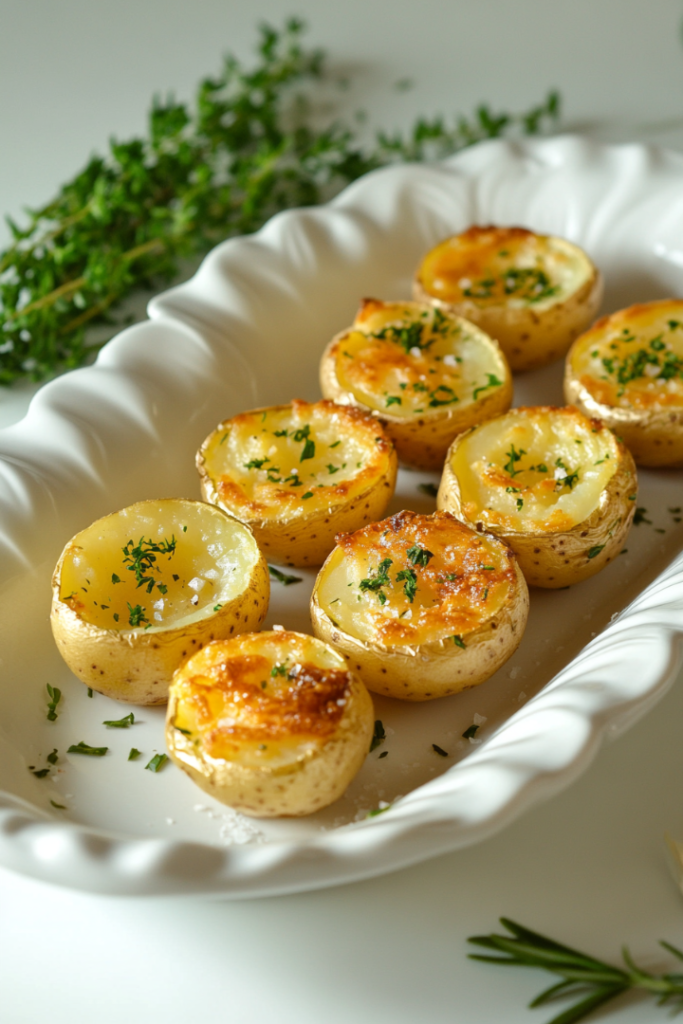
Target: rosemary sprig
[(249, 146), (593, 981)]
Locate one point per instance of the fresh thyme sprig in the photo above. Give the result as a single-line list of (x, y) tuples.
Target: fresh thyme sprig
[(593, 981), (248, 147)]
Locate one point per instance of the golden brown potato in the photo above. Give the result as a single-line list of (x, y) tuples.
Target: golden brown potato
[(299, 473), (272, 723), (628, 371), (422, 606), (143, 588), (425, 375), (534, 293), (558, 487)]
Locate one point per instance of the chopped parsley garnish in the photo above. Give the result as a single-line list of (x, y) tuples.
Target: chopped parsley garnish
[(185, 732), (639, 517), (282, 577), (332, 469), (140, 559), (39, 773), (493, 382), (592, 552), (443, 395), (514, 457), (634, 365), (385, 753), (378, 736), (308, 450), (121, 723), (458, 641), (256, 463), (381, 579), (430, 489), (85, 748), (470, 732), (157, 762), (136, 616), (393, 400), (520, 504), (335, 444), (439, 750), (540, 468), (419, 556), (308, 494), (115, 578), (52, 758), (378, 810), (529, 283), (409, 579), (60, 807), (134, 754), (278, 670), (55, 695)]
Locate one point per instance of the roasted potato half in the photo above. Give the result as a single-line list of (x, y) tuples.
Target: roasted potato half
[(628, 370), (143, 588), (425, 375), (534, 293), (272, 723), (299, 473), (558, 487), (422, 606)]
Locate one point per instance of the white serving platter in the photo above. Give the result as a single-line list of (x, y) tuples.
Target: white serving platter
[(248, 330)]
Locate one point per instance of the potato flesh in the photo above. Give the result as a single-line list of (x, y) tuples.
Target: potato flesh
[(212, 558), (481, 581), (293, 475), (247, 710), (634, 358), (556, 444), (454, 363), (508, 267)]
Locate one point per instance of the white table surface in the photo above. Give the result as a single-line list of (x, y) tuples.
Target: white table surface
[(588, 867)]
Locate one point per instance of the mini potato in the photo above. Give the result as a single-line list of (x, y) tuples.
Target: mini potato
[(141, 589), (534, 293), (297, 474), (558, 487), (422, 606), (425, 375), (271, 723), (628, 370)]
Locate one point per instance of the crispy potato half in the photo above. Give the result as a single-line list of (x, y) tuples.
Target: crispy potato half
[(422, 606), (272, 723), (299, 473), (425, 374), (143, 588), (534, 293), (558, 487), (628, 371)]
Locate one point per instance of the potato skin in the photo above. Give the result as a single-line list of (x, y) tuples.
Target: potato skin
[(555, 560), (654, 434), (306, 540), (529, 337), (137, 667), (421, 442), (435, 669), (313, 781)]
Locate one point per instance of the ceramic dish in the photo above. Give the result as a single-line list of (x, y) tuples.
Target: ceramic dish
[(248, 330)]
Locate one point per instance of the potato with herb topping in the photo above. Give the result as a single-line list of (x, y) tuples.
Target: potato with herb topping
[(628, 370), (272, 723), (425, 375), (422, 606), (143, 588), (558, 487), (298, 473), (533, 293)]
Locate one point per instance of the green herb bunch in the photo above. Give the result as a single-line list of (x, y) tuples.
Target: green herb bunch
[(247, 148), (591, 982)]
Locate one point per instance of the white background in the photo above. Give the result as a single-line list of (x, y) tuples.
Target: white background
[(587, 868)]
